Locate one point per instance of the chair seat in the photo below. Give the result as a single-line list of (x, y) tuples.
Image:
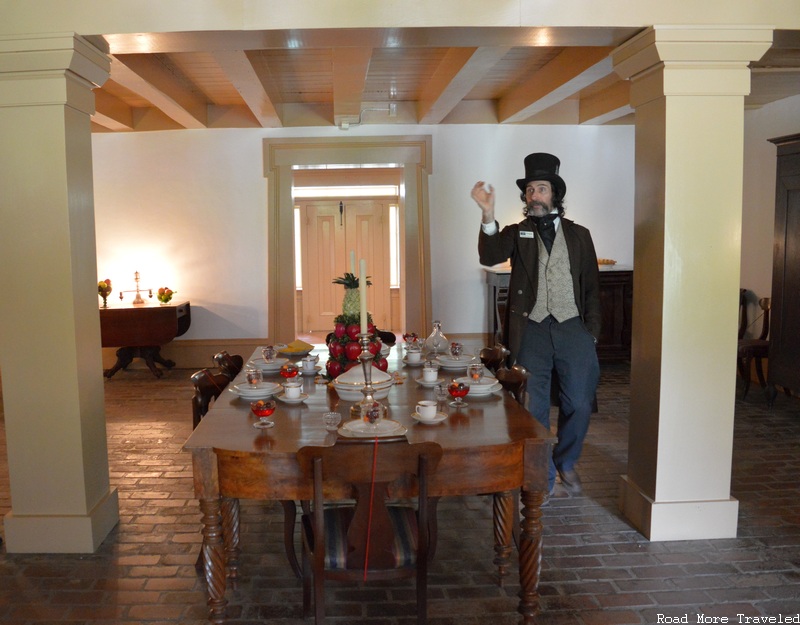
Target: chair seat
[(337, 522)]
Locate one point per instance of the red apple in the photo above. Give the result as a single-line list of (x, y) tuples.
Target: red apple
[(336, 349), (353, 330), (333, 367), (371, 328), (352, 350), (340, 330), (374, 347), (382, 364)]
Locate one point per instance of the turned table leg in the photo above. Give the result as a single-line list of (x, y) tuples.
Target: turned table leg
[(503, 516), (214, 559), (530, 555)]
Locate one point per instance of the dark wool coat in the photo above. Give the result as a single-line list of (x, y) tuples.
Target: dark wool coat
[(524, 254)]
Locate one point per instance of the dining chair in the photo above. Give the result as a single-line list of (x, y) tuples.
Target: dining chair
[(207, 387), (229, 365), (756, 349), (371, 539), (494, 357)]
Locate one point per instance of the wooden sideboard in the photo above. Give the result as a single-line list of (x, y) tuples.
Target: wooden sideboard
[(140, 331), (616, 303)]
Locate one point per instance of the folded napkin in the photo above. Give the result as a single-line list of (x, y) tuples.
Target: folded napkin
[(297, 346)]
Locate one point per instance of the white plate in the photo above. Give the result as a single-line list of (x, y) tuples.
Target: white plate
[(448, 362), (355, 428), (440, 416), (487, 386), (269, 366), (422, 382), (295, 400), (312, 372), (245, 391)]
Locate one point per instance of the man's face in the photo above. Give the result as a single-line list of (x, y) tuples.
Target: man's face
[(539, 197)]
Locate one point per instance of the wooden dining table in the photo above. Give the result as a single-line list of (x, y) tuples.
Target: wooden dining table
[(493, 446)]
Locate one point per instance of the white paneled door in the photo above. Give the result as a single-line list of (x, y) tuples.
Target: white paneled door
[(328, 234)]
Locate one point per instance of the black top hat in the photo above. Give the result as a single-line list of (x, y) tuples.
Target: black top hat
[(543, 166)]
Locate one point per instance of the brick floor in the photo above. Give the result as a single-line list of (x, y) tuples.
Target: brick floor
[(597, 570)]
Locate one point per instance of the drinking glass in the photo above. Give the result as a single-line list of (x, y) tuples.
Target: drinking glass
[(254, 376), (268, 353), (458, 390), (441, 394), (331, 420), (475, 373), (455, 350), (263, 409)]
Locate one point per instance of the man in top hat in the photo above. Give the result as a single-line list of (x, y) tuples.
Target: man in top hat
[(553, 312)]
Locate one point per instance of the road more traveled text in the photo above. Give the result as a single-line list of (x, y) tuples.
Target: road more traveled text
[(780, 619)]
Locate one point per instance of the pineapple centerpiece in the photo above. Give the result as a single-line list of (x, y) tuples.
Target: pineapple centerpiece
[(343, 345)]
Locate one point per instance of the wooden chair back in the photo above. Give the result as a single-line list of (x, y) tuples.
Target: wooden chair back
[(765, 304), (229, 365), (515, 381), (493, 358), (207, 387), (742, 312)]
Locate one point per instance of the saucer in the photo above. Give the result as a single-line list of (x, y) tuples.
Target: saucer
[(440, 416), (296, 400), (312, 372), (436, 382), (419, 363)]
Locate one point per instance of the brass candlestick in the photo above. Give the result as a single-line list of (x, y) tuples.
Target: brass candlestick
[(368, 409), (138, 301)]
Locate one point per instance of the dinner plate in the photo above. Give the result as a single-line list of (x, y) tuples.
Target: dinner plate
[(436, 382), (455, 364), (355, 428), (487, 386), (245, 391), (275, 365), (294, 400), (440, 416)]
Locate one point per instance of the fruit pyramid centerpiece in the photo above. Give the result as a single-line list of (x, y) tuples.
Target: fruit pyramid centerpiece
[(343, 343)]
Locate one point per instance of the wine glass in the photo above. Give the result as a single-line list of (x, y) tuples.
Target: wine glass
[(254, 376), (440, 392), (458, 390), (289, 370), (263, 408), (268, 353), (455, 350), (475, 372)]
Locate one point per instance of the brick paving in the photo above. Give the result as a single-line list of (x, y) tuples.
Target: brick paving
[(597, 570)]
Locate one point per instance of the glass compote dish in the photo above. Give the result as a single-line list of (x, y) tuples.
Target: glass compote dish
[(456, 349), (289, 370), (458, 390), (475, 373), (254, 376), (263, 409)]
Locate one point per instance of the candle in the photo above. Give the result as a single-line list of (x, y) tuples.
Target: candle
[(352, 262), (362, 288)]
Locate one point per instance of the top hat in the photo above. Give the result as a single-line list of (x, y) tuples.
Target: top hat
[(543, 166)]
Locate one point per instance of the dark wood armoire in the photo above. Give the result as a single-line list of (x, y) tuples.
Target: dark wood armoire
[(784, 347)]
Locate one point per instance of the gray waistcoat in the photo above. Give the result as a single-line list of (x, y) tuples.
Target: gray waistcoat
[(555, 295)]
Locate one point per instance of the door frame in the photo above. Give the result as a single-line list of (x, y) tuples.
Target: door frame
[(412, 152)]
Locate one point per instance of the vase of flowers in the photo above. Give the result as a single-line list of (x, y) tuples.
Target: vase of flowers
[(104, 290)]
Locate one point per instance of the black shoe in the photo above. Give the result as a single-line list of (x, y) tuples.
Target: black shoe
[(571, 481)]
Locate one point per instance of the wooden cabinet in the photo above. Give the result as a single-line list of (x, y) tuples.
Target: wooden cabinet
[(616, 304), (784, 339)]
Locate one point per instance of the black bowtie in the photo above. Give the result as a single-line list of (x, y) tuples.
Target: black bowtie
[(545, 225)]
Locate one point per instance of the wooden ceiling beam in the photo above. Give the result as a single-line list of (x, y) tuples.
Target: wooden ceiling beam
[(243, 77), (350, 66), (149, 79), (569, 72), (606, 105), (111, 112), (460, 70)]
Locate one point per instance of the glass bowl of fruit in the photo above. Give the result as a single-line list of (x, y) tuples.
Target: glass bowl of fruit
[(263, 409)]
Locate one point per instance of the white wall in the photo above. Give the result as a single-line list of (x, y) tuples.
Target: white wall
[(778, 119), (187, 209)]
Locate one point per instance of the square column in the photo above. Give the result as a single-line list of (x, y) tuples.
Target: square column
[(687, 88), (50, 343)]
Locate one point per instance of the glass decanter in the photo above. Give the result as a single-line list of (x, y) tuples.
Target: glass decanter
[(437, 341)]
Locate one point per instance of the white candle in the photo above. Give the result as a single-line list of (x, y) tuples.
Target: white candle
[(353, 262), (362, 287)]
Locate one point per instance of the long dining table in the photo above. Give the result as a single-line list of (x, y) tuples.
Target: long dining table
[(492, 446)]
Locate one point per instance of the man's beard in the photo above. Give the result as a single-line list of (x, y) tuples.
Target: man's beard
[(537, 209)]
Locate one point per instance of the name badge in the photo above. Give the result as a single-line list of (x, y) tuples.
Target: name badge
[(526, 234)]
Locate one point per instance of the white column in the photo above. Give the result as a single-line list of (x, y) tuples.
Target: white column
[(50, 341), (688, 88)]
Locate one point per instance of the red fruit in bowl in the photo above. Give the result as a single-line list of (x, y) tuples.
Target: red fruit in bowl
[(353, 330), (334, 368), (336, 349), (382, 364), (371, 328), (340, 330), (374, 347), (352, 350)]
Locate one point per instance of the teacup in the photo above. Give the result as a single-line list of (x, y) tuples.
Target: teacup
[(291, 390), (426, 409), (430, 373), (310, 362), (413, 354)]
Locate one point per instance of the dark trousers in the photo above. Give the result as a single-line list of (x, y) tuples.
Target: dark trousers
[(568, 348)]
